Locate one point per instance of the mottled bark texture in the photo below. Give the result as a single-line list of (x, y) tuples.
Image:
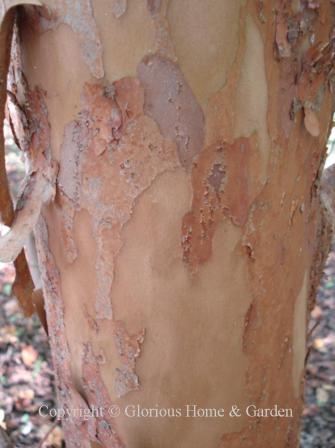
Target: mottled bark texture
[(181, 253)]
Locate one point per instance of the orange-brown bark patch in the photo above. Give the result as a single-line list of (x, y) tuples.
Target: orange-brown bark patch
[(221, 188), (110, 155)]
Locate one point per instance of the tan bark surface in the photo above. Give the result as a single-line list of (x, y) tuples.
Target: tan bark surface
[(182, 251)]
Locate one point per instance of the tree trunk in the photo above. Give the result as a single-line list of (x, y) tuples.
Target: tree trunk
[(178, 146)]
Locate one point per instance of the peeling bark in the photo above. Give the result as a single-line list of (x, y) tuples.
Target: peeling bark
[(23, 286), (129, 349), (182, 251), (78, 15), (39, 189)]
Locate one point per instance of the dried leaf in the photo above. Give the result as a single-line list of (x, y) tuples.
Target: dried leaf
[(29, 355), (27, 428), (38, 301), (317, 312), (55, 438), (23, 286), (11, 307), (2, 416), (26, 394), (322, 396), (319, 344), (20, 376)]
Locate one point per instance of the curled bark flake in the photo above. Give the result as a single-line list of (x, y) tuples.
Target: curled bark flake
[(317, 72), (18, 122), (301, 38), (34, 139), (39, 189), (6, 28), (6, 5), (171, 103), (23, 285), (33, 134), (17, 97), (38, 303)]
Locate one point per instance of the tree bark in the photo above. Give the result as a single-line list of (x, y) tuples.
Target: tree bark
[(180, 256)]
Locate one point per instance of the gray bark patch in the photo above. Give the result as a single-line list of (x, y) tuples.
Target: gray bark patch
[(169, 100)]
